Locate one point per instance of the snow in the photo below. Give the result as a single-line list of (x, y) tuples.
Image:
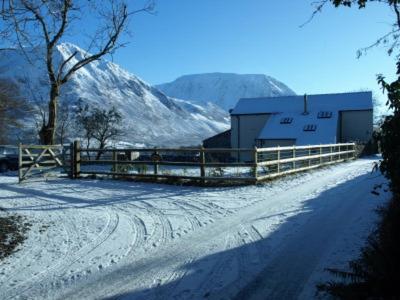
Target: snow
[(293, 104), (325, 132), (151, 117), (149, 241), (224, 89)]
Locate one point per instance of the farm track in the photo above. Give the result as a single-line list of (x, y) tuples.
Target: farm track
[(176, 244)]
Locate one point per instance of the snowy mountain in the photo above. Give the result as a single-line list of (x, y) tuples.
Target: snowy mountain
[(151, 117), (224, 89)]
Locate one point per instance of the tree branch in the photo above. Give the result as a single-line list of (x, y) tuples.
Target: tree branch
[(107, 48)]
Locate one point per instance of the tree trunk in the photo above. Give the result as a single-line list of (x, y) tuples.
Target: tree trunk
[(99, 153), (47, 133)]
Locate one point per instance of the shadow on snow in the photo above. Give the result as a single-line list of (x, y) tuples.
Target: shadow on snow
[(276, 266)]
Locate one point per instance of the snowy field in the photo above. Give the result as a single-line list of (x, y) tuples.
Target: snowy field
[(94, 239)]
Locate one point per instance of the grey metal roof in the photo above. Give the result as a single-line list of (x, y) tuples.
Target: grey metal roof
[(323, 102)]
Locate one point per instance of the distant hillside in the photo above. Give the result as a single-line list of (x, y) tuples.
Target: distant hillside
[(224, 89), (151, 117)]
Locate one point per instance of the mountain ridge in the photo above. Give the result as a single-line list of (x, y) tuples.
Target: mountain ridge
[(151, 117), (224, 89)]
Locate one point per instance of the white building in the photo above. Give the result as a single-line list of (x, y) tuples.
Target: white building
[(302, 120)]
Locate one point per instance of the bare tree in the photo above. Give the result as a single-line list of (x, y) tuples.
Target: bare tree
[(64, 122), (44, 23), (100, 125), (13, 109)]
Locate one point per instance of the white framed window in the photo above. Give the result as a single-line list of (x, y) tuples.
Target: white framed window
[(324, 115), (310, 127), (286, 120)]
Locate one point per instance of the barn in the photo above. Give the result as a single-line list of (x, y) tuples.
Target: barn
[(220, 140), (302, 120)]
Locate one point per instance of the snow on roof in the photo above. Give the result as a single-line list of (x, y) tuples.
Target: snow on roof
[(325, 132), (327, 102)]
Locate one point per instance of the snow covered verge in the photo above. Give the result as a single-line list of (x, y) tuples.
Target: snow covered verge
[(147, 241)]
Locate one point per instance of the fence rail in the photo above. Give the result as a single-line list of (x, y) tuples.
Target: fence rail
[(206, 164)]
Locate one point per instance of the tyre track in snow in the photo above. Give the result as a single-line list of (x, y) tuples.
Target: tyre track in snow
[(163, 229), (20, 265), (137, 224), (35, 251), (60, 268), (140, 234), (218, 270), (109, 229), (190, 215), (197, 244), (163, 270)]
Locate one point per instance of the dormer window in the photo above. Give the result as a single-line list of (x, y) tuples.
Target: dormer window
[(324, 115), (286, 120), (310, 127)]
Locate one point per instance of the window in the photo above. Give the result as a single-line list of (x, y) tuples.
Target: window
[(286, 120), (310, 127), (324, 115)]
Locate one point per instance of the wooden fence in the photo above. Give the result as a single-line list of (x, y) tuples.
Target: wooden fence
[(206, 164), (39, 159)]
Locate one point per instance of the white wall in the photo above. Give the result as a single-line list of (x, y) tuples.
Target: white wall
[(245, 131), (277, 142)]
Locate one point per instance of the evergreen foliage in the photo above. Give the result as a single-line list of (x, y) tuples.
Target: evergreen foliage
[(389, 135), (376, 274)]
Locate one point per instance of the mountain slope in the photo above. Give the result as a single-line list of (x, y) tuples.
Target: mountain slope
[(150, 116), (224, 89)]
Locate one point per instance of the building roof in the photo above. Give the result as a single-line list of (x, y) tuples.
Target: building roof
[(325, 128), (293, 104), (226, 132)]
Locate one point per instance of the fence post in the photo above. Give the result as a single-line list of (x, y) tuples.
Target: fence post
[(339, 152), (255, 163), (349, 155), (309, 154), (114, 164), (331, 158), (202, 164), (278, 159), (155, 162), (294, 156), (71, 161), (320, 154), (19, 162), (77, 159)]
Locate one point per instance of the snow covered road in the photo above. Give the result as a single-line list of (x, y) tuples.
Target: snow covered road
[(94, 239)]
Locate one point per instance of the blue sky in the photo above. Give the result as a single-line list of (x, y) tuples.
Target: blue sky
[(260, 36)]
